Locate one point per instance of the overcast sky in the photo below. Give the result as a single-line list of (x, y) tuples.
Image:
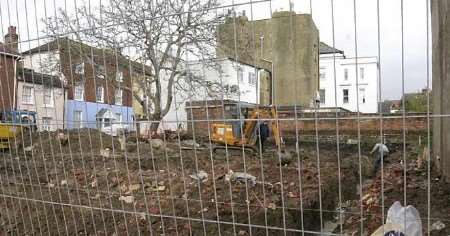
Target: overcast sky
[(27, 15)]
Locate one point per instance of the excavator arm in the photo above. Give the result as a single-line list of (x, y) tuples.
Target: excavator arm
[(251, 125), (275, 130)]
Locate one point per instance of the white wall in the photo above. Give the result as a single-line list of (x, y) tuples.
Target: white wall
[(226, 76), (55, 112), (44, 62), (334, 81)]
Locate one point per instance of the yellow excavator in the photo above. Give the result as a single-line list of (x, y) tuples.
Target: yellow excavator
[(228, 135), (14, 123)]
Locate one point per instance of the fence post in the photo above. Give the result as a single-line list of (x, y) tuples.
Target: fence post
[(440, 23)]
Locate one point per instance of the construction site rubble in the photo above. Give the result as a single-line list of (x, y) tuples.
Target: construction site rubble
[(438, 226), (157, 181), (240, 177), (127, 199), (190, 143), (105, 153), (285, 157), (201, 176), (157, 143)]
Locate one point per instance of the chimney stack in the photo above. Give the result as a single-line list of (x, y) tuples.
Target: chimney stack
[(12, 38)]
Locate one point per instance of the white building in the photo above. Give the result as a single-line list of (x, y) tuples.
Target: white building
[(338, 80), (220, 79), (43, 94)]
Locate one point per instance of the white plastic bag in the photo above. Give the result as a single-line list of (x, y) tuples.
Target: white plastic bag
[(407, 219)]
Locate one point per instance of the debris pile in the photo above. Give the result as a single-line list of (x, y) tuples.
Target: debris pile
[(395, 186), (240, 177)]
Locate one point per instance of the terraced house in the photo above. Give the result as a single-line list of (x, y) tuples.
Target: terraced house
[(98, 80), (25, 90)]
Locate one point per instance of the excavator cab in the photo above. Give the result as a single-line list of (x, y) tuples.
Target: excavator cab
[(241, 131), (230, 131)]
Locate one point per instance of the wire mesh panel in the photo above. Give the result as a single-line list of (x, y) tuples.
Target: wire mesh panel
[(237, 117)]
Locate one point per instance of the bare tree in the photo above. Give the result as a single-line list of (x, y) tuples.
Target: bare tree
[(160, 34)]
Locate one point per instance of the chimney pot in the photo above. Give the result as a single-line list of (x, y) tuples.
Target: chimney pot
[(12, 30), (12, 38)]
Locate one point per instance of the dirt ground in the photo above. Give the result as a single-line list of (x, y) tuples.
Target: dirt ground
[(75, 188), (415, 192)]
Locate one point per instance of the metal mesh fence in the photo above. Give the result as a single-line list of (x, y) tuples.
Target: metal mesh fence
[(208, 117)]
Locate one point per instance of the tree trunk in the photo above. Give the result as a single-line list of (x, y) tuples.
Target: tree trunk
[(154, 126), (156, 121)]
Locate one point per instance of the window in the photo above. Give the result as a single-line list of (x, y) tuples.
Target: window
[(345, 92), (79, 92), (48, 97), (78, 119), (119, 97), (345, 74), (106, 122), (119, 76), (46, 123), (362, 95), (251, 78), (27, 94), (240, 74), (322, 96), (100, 95), (79, 68), (119, 117), (234, 89), (322, 73)]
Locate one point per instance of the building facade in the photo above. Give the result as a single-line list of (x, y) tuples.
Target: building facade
[(43, 94), (233, 80), (98, 80), (287, 45), (224, 79), (218, 79), (350, 83)]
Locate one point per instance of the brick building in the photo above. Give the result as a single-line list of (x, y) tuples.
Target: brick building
[(23, 89), (99, 80), (286, 45), (9, 59)]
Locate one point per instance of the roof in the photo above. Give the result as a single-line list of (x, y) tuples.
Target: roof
[(244, 63), (326, 49), (105, 113), (30, 76), (7, 50), (62, 43)]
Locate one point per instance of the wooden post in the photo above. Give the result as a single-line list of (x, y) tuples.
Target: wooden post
[(440, 24)]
